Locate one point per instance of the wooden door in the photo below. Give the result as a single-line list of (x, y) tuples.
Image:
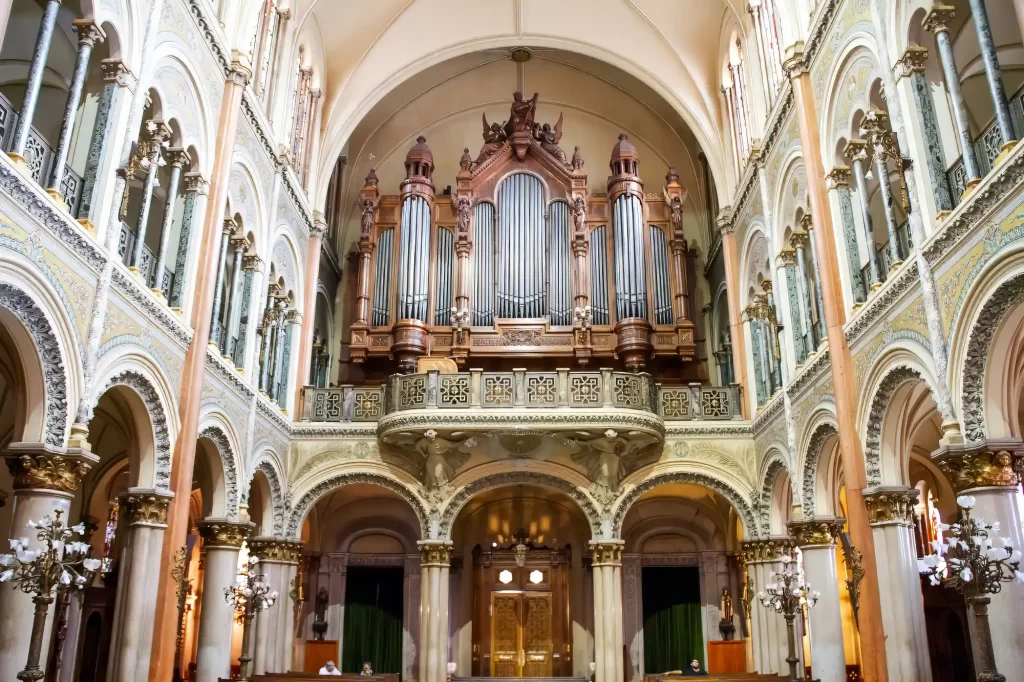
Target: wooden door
[(537, 644), (506, 633)]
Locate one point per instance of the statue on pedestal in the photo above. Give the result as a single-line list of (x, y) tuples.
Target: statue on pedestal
[(320, 614), (726, 626)]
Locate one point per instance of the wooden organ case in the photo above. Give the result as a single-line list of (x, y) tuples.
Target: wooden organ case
[(521, 624), (519, 260)]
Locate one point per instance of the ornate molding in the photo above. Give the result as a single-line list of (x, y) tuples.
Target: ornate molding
[(896, 377), (709, 428), (276, 549), (265, 139), (309, 498), (224, 533), (133, 290), (891, 504), (434, 553), (437, 419), (318, 432), (161, 434), (810, 374), (198, 12), (605, 553), (269, 410), (147, 506), (220, 440), (814, 447), (276, 494), (764, 503), (297, 198), (820, 530), (768, 549), (47, 471), (983, 469), (775, 406), (54, 378)]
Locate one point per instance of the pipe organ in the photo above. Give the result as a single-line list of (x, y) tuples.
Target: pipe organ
[(520, 260)]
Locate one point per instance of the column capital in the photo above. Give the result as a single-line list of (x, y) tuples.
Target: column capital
[(818, 530), (241, 70), (177, 157), (114, 71), (969, 467), (319, 228), (147, 505), (914, 60), (239, 242), (38, 467), (794, 64), (726, 221), (252, 262), (607, 552), (767, 549), (435, 552), (807, 222), (284, 14), (799, 239), (939, 19), (229, 226), (196, 183), (857, 150), (838, 177), (277, 549), (292, 316), (788, 257), (89, 32), (891, 504), (224, 532)]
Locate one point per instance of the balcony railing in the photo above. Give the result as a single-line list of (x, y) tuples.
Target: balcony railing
[(125, 247), (520, 390), (906, 243), (40, 156), (986, 148)]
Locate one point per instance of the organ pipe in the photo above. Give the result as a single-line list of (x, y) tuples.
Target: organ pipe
[(599, 276), (522, 281), (483, 265), (382, 279), (630, 264), (559, 263), (443, 282), (662, 286)]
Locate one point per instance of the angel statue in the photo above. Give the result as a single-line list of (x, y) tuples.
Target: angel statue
[(608, 458), (549, 138), (523, 111), (442, 458), (494, 139)]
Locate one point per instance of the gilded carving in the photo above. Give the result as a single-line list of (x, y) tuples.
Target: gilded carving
[(771, 549), (816, 531), (149, 507), (47, 472), (607, 553), (275, 549), (978, 470), (891, 504), (223, 533), (435, 553)]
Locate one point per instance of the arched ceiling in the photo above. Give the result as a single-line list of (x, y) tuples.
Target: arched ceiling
[(371, 48)]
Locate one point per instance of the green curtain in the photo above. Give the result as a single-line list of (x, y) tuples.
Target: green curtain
[(673, 633), (373, 620)]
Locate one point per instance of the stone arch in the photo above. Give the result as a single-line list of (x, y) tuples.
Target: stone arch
[(267, 466), (216, 435), (764, 494), (815, 446), (895, 377), (144, 388), (735, 497), (465, 494), (55, 383), (310, 497)]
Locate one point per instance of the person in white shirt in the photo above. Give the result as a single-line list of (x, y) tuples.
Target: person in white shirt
[(329, 669)]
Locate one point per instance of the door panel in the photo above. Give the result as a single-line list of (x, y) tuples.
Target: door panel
[(537, 643), (506, 627)]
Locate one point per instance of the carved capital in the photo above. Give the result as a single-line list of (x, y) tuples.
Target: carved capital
[(292, 316), (820, 530), (147, 506), (788, 257), (799, 239), (607, 552), (726, 221), (178, 157), (979, 469), (807, 222), (939, 19), (196, 183), (275, 549), (771, 549), (891, 504), (319, 228), (114, 71), (435, 553), (857, 150), (241, 69), (47, 471), (838, 177), (89, 32), (795, 65), (224, 533), (914, 60), (229, 227), (252, 262)]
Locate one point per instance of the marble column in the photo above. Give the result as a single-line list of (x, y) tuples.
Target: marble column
[(177, 158), (883, 150), (808, 225), (787, 261), (857, 152), (196, 191), (841, 361), (45, 480), (231, 299), (251, 264), (838, 183), (227, 230), (995, 77), (36, 70), (798, 240), (891, 511), (272, 636), (88, 35), (267, 335), (312, 274), (221, 540), (157, 134), (937, 22), (145, 514), (116, 79), (816, 538), (435, 561), (608, 632), (726, 222), (764, 559), (292, 321)]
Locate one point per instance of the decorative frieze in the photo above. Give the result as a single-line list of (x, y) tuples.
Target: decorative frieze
[(979, 469), (821, 530), (276, 549), (770, 549), (891, 504), (47, 471), (224, 533)]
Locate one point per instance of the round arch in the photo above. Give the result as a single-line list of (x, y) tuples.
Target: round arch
[(157, 467), (309, 498), (219, 438), (268, 467), (776, 468), (823, 435)]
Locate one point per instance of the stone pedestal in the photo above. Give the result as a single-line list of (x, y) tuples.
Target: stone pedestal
[(608, 637), (222, 539), (435, 562), (817, 538)]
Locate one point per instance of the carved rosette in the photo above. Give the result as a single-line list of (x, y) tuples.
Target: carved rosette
[(277, 550), (816, 531), (435, 553), (980, 470), (607, 553), (891, 504), (147, 506), (633, 342), (770, 550), (410, 340), (224, 533), (47, 472)]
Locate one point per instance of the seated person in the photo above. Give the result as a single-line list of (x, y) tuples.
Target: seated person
[(330, 669), (367, 669), (694, 670)]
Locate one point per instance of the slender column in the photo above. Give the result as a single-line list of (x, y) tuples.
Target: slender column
[(145, 514), (196, 191), (817, 538), (157, 133), (251, 264), (267, 334), (937, 22), (755, 11), (435, 560), (994, 75), (116, 78), (787, 257), (808, 224), (883, 149), (276, 556), (607, 568), (88, 35), (222, 539), (238, 245), (727, 225), (316, 238), (369, 197), (177, 157), (194, 369), (838, 183), (891, 512), (292, 320), (758, 369), (218, 297), (45, 480), (857, 152), (872, 639), (798, 240), (35, 81), (764, 559)]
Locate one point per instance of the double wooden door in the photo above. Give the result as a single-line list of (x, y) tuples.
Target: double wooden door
[(521, 641)]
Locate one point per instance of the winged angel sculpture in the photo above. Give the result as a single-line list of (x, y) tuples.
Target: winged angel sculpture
[(520, 121), (608, 458), (439, 458)]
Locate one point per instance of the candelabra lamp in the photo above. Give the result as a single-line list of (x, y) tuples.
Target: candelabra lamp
[(970, 564), (787, 596), (250, 595), (60, 563)]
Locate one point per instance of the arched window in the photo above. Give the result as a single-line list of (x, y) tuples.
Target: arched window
[(264, 45), (304, 99), (769, 44), (734, 88)]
